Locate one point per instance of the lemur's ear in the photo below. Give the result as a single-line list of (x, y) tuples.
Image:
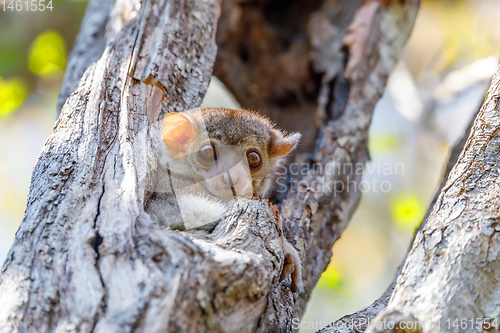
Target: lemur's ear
[(281, 145), (178, 133)]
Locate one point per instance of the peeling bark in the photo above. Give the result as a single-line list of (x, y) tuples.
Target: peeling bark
[(87, 257)]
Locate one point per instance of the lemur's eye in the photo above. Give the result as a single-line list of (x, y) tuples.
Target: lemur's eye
[(207, 154), (254, 159)]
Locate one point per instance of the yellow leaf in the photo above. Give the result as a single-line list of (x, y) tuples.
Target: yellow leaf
[(47, 54), (407, 211), (331, 278), (12, 94), (383, 143)]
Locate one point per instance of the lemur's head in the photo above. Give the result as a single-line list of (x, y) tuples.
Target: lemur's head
[(230, 152)]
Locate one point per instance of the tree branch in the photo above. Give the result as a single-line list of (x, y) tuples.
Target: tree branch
[(452, 271), (89, 46), (76, 261), (359, 320), (311, 94), (88, 257)]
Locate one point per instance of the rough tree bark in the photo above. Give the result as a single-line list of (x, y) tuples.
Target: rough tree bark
[(329, 96), (88, 258), (360, 320), (451, 278), (450, 281)]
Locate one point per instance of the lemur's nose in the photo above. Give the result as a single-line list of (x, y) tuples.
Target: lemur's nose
[(229, 179)]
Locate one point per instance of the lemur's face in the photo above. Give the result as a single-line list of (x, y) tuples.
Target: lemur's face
[(229, 152)]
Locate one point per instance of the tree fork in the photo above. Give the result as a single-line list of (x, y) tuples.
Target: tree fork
[(87, 257)]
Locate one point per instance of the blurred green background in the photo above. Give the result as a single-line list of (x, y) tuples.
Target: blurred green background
[(438, 84)]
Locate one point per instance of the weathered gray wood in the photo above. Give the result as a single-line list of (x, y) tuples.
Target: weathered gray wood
[(452, 271), (88, 48), (89, 182), (87, 257), (359, 320), (300, 83)]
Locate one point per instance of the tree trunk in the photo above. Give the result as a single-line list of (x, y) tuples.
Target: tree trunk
[(87, 257), (359, 321), (450, 281)]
